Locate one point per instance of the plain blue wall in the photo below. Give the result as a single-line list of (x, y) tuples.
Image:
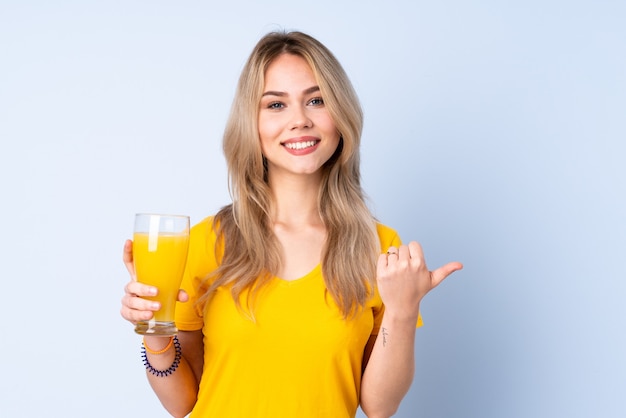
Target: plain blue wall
[(494, 135)]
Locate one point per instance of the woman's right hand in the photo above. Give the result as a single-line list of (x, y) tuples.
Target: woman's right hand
[(134, 307)]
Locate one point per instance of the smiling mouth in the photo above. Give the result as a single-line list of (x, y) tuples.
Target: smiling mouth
[(300, 145)]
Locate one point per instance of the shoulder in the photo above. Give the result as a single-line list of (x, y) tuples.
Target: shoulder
[(203, 235), (204, 226), (207, 227), (387, 236)]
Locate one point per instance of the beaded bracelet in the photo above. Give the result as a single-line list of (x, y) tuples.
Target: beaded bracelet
[(171, 369)]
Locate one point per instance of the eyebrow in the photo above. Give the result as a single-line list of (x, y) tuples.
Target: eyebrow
[(282, 94)]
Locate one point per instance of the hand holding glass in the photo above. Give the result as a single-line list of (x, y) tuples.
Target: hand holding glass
[(160, 244)]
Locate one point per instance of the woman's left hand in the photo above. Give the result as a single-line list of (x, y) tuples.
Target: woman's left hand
[(404, 279)]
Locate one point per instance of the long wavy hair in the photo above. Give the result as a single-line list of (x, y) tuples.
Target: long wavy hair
[(249, 252)]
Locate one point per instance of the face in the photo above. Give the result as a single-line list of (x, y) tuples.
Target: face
[(297, 133)]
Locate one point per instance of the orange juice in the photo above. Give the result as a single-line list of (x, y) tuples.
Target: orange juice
[(160, 261)]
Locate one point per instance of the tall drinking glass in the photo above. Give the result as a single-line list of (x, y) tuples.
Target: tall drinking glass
[(160, 244)]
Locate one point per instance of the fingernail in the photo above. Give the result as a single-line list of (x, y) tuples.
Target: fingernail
[(153, 291), (156, 306)]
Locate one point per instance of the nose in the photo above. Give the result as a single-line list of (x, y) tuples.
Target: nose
[(299, 118)]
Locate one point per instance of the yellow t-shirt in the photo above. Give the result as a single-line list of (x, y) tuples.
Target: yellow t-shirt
[(299, 358)]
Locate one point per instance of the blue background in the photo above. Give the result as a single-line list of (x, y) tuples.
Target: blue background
[(494, 135)]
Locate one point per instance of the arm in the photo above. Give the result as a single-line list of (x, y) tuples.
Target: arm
[(389, 371), (403, 280), (178, 391)]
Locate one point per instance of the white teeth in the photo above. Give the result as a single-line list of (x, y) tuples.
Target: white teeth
[(300, 145)]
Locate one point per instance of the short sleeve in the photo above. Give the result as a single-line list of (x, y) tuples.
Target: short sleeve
[(201, 261)]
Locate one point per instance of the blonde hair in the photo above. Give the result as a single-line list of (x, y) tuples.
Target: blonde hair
[(251, 252)]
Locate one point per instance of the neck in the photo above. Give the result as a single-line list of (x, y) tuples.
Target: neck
[(295, 200)]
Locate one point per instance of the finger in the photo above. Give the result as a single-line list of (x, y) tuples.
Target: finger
[(381, 265), (415, 250), (182, 296), (135, 288), (140, 304), (438, 275), (392, 252), (136, 309), (404, 253), (134, 315), (127, 257)]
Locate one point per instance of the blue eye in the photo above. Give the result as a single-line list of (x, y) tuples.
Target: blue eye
[(318, 101), (275, 105)]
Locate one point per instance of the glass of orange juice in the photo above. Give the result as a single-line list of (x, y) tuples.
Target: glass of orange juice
[(160, 244)]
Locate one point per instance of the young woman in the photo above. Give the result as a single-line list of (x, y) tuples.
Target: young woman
[(297, 302)]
